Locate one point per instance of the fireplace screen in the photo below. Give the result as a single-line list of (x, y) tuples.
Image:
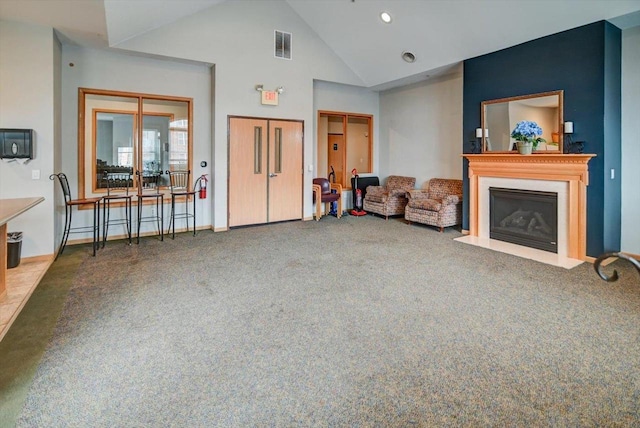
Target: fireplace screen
[(524, 217)]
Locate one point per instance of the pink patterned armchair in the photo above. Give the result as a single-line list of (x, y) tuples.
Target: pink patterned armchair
[(440, 204), (389, 199)]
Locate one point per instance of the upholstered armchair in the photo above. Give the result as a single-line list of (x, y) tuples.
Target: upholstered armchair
[(389, 199), (440, 204)]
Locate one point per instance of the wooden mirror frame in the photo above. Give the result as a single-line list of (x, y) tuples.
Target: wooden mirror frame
[(559, 93)]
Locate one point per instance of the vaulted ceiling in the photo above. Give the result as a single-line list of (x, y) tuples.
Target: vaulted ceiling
[(439, 33)]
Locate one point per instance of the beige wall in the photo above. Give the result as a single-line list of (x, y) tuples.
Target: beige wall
[(29, 99), (421, 130)]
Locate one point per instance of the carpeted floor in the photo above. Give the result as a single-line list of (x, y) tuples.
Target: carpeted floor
[(350, 322)]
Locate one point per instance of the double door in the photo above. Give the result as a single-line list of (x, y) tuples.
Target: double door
[(265, 171)]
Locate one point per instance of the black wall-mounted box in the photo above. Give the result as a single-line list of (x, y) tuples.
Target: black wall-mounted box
[(16, 143)]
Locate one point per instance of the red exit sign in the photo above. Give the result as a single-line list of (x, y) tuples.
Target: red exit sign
[(270, 98)]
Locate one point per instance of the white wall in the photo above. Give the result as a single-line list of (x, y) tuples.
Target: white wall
[(630, 140), (29, 55), (421, 130), (349, 99), (113, 70), (237, 37)]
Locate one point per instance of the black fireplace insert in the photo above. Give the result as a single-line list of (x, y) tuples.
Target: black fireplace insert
[(524, 217)]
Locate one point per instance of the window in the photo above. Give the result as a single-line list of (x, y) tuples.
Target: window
[(178, 144), (345, 143), (127, 132)]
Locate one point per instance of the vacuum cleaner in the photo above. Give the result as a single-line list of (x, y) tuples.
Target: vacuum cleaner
[(334, 205), (357, 211)]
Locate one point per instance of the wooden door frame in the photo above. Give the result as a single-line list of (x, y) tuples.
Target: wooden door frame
[(268, 119), (345, 122)]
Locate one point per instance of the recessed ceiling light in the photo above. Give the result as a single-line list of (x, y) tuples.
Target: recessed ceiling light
[(386, 17), (408, 56)]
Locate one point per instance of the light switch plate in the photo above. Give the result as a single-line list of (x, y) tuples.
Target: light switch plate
[(35, 174)]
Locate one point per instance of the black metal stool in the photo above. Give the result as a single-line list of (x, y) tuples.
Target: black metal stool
[(68, 211), (179, 185), (148, 189), (117, 184)]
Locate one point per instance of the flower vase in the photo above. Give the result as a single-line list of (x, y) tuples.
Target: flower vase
[(524, 147)]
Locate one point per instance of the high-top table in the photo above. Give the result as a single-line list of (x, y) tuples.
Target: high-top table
[(10, 209)]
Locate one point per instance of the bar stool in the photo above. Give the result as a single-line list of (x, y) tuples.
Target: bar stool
[(117, 184), (68, 211), (148, 189), (179, 186)]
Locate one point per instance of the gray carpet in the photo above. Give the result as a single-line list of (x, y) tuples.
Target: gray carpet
[(351, 322)]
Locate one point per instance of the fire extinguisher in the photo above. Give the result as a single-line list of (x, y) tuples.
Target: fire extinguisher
[(203, 186)]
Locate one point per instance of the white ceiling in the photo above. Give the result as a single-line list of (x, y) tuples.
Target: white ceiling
[(441, 33)]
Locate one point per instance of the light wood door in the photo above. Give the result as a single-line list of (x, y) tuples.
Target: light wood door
[(336, 156), (285, 170), (247, 171), (265, 171)]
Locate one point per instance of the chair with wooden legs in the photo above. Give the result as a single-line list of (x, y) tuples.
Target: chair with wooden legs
[(69, 203), (179, 185), (148, 189), (118, 196), (322, 193)]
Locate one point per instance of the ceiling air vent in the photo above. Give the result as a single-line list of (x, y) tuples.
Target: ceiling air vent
[(282, 45)]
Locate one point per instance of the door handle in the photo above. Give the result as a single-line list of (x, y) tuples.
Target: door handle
[(272, 175)]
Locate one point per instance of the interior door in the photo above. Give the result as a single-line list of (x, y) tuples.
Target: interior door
[(336, 156), (265, 171), (285, 170), (247, 171)]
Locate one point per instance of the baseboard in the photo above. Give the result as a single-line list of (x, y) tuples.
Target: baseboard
[(307, 218), (612, 259), (41, 258), (464, 231), (635, 256), (221, 229)]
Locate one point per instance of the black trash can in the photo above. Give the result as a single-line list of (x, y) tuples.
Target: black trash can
[(14, 247)]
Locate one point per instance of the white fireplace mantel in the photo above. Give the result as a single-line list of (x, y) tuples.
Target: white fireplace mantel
[(569, 171)]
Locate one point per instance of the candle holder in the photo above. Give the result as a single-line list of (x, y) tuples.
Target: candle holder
[(570, 146)]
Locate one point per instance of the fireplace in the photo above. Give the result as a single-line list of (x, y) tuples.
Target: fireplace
[(524, 217), (567, 175)]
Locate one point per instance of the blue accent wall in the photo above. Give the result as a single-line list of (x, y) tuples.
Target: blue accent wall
[(585, 62)]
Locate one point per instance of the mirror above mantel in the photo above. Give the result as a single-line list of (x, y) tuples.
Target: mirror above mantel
[(499, 118)]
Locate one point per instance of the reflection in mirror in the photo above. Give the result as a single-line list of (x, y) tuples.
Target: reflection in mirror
[(499, 118), (114, 144)]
